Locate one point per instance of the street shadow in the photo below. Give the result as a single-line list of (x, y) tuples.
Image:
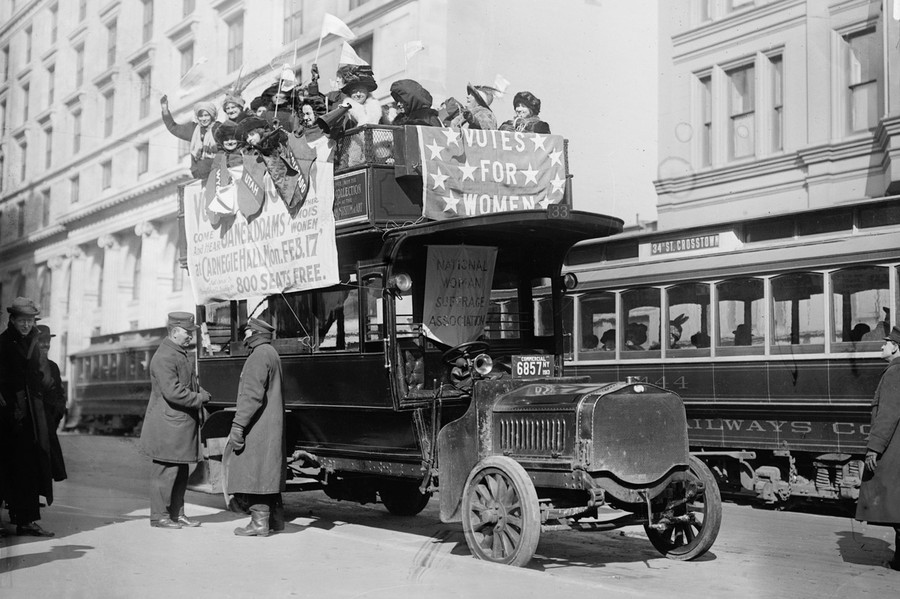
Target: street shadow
[(57, 552), (856, 548)]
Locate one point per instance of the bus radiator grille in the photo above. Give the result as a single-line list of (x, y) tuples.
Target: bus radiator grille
[(532, 435)]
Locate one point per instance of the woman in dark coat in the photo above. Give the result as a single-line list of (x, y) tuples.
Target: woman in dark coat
[(201, 135), (24, 444), (879, 493), (527, 107), (256, 466), (414, 104)]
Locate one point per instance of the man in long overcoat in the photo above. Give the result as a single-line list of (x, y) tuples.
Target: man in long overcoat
[(170, 434), (256, 466), (24, 447), (879, 494), (54, 402)]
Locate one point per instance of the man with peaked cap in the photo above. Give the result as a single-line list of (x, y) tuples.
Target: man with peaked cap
[(170, 434), (879, 493), (54, 402), (255, 453), (24, 447)]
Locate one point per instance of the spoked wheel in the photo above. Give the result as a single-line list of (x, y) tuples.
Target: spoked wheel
[(402, 497), (697, 521), (500, 512)]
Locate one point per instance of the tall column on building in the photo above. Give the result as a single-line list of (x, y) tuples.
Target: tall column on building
[(152, 249), (59, 266), (78, 325), (111, 302)]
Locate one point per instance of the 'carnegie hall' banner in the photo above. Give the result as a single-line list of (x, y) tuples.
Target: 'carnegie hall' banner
[(458, 280), (470, 172), (271, 252)]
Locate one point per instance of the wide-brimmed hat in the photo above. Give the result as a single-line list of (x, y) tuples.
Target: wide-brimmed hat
[(484, 94), (23, 306), (185, 320), (894, 336), (354, 75), (528, 99), (44, 331)]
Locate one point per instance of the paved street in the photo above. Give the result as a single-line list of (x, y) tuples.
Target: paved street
[(105, 548)]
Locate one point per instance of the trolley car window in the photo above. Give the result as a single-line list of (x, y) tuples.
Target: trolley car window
[(742, 318), (689, 319), (642, 313), (860, 303), (598, 326), (798, 312)]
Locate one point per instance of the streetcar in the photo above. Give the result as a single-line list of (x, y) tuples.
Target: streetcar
[(769, 329), (405, 377)]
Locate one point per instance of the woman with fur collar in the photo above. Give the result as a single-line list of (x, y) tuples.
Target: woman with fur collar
[(527, 107)]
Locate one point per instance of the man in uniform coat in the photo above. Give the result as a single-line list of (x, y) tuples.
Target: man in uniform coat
[(879, 494), (170, 434), (24, 447), (256, 466)]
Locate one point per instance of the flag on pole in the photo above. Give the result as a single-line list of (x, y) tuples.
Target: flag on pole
[(349, 56), (332, 24), (193, 78), (413, 48), (500, 84), (287, 81)]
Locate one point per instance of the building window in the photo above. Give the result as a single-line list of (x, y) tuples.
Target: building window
[(357, 3), (48, 147), (79, 66), (20, 223), (51, 84), (777, 85), (734, 5), (147, 31), (111, 35), (235, 43), (187, 7), (741, 106), (28, 36), (863, 67), (82, 10), (45, 290), (106, 174), (45, 208), (143, 158), (706, 117), (26, 99), (363, 49), (293, 20), (74, 185), (144, 103), (54, 23), (109, 106), (2, 170), (2, 117), (23, 159), (187, 58), (76, 131), (1, 241), (4, 68)]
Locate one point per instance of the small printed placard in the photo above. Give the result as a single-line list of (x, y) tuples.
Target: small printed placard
[(524, 367)]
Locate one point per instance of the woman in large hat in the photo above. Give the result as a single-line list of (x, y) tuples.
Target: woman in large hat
[(477, 113), (527, 107)]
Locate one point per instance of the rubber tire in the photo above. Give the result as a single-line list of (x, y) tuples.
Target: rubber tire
[(501, 483), (671, 543), (402, 498)]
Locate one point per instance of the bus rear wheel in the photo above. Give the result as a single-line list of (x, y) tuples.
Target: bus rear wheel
[(402, 497)]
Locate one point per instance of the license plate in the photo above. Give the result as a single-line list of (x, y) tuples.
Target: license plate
[(524, 367)]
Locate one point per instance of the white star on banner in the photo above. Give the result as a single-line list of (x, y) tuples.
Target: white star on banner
[(530, 174), (556, 158), (435, 150), (558, 183), (538, 141), (545, 202), (468, 171), (452, 136), (451, 202), (439, 179)]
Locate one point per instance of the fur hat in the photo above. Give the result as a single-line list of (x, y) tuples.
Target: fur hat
[(528, 99), (484, 94), (23, 306), (257, 102), (208, 107), (249, 124), (227, 130)]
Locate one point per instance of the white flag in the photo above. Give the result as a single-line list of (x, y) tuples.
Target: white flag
[(500, 84), (349, 56), (193, 78), (413, 48), (332, 24)]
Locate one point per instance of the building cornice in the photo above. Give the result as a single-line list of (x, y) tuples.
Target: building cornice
[(747, 20), (19, 18), (728, 173)]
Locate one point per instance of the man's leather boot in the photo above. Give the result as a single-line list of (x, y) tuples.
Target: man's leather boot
[(259, 523), (276, 521)]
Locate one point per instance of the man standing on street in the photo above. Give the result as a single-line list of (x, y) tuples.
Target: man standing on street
[(879, 494), (256, 466), (170, 435)]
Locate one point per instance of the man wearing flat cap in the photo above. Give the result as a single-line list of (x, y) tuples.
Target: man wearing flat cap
[(879, 493), (255, 453), (24, 448), (170, 435)]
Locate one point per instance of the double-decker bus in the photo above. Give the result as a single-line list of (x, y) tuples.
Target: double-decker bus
[(769, 329)]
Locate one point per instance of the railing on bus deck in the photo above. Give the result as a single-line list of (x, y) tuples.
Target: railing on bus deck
[(366, 145)]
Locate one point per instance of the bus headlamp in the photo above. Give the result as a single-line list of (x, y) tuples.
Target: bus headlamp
[(570, 281), (400, 282)]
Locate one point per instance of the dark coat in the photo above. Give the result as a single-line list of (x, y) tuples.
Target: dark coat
[(171, 424), (879, 494), (417, 102), (54, 410), (530, 124), (259, 468), (200, 168), (23, 424)]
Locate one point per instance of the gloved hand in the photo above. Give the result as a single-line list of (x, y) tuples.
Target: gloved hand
[(164, 102), (236, 437)]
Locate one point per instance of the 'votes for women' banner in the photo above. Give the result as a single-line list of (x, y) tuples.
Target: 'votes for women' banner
[(458, 280), (273, 251), (470, 172)]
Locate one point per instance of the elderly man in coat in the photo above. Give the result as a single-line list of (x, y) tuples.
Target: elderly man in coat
[(256, 466), (170, 435), (25, 472), (879, 494)]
